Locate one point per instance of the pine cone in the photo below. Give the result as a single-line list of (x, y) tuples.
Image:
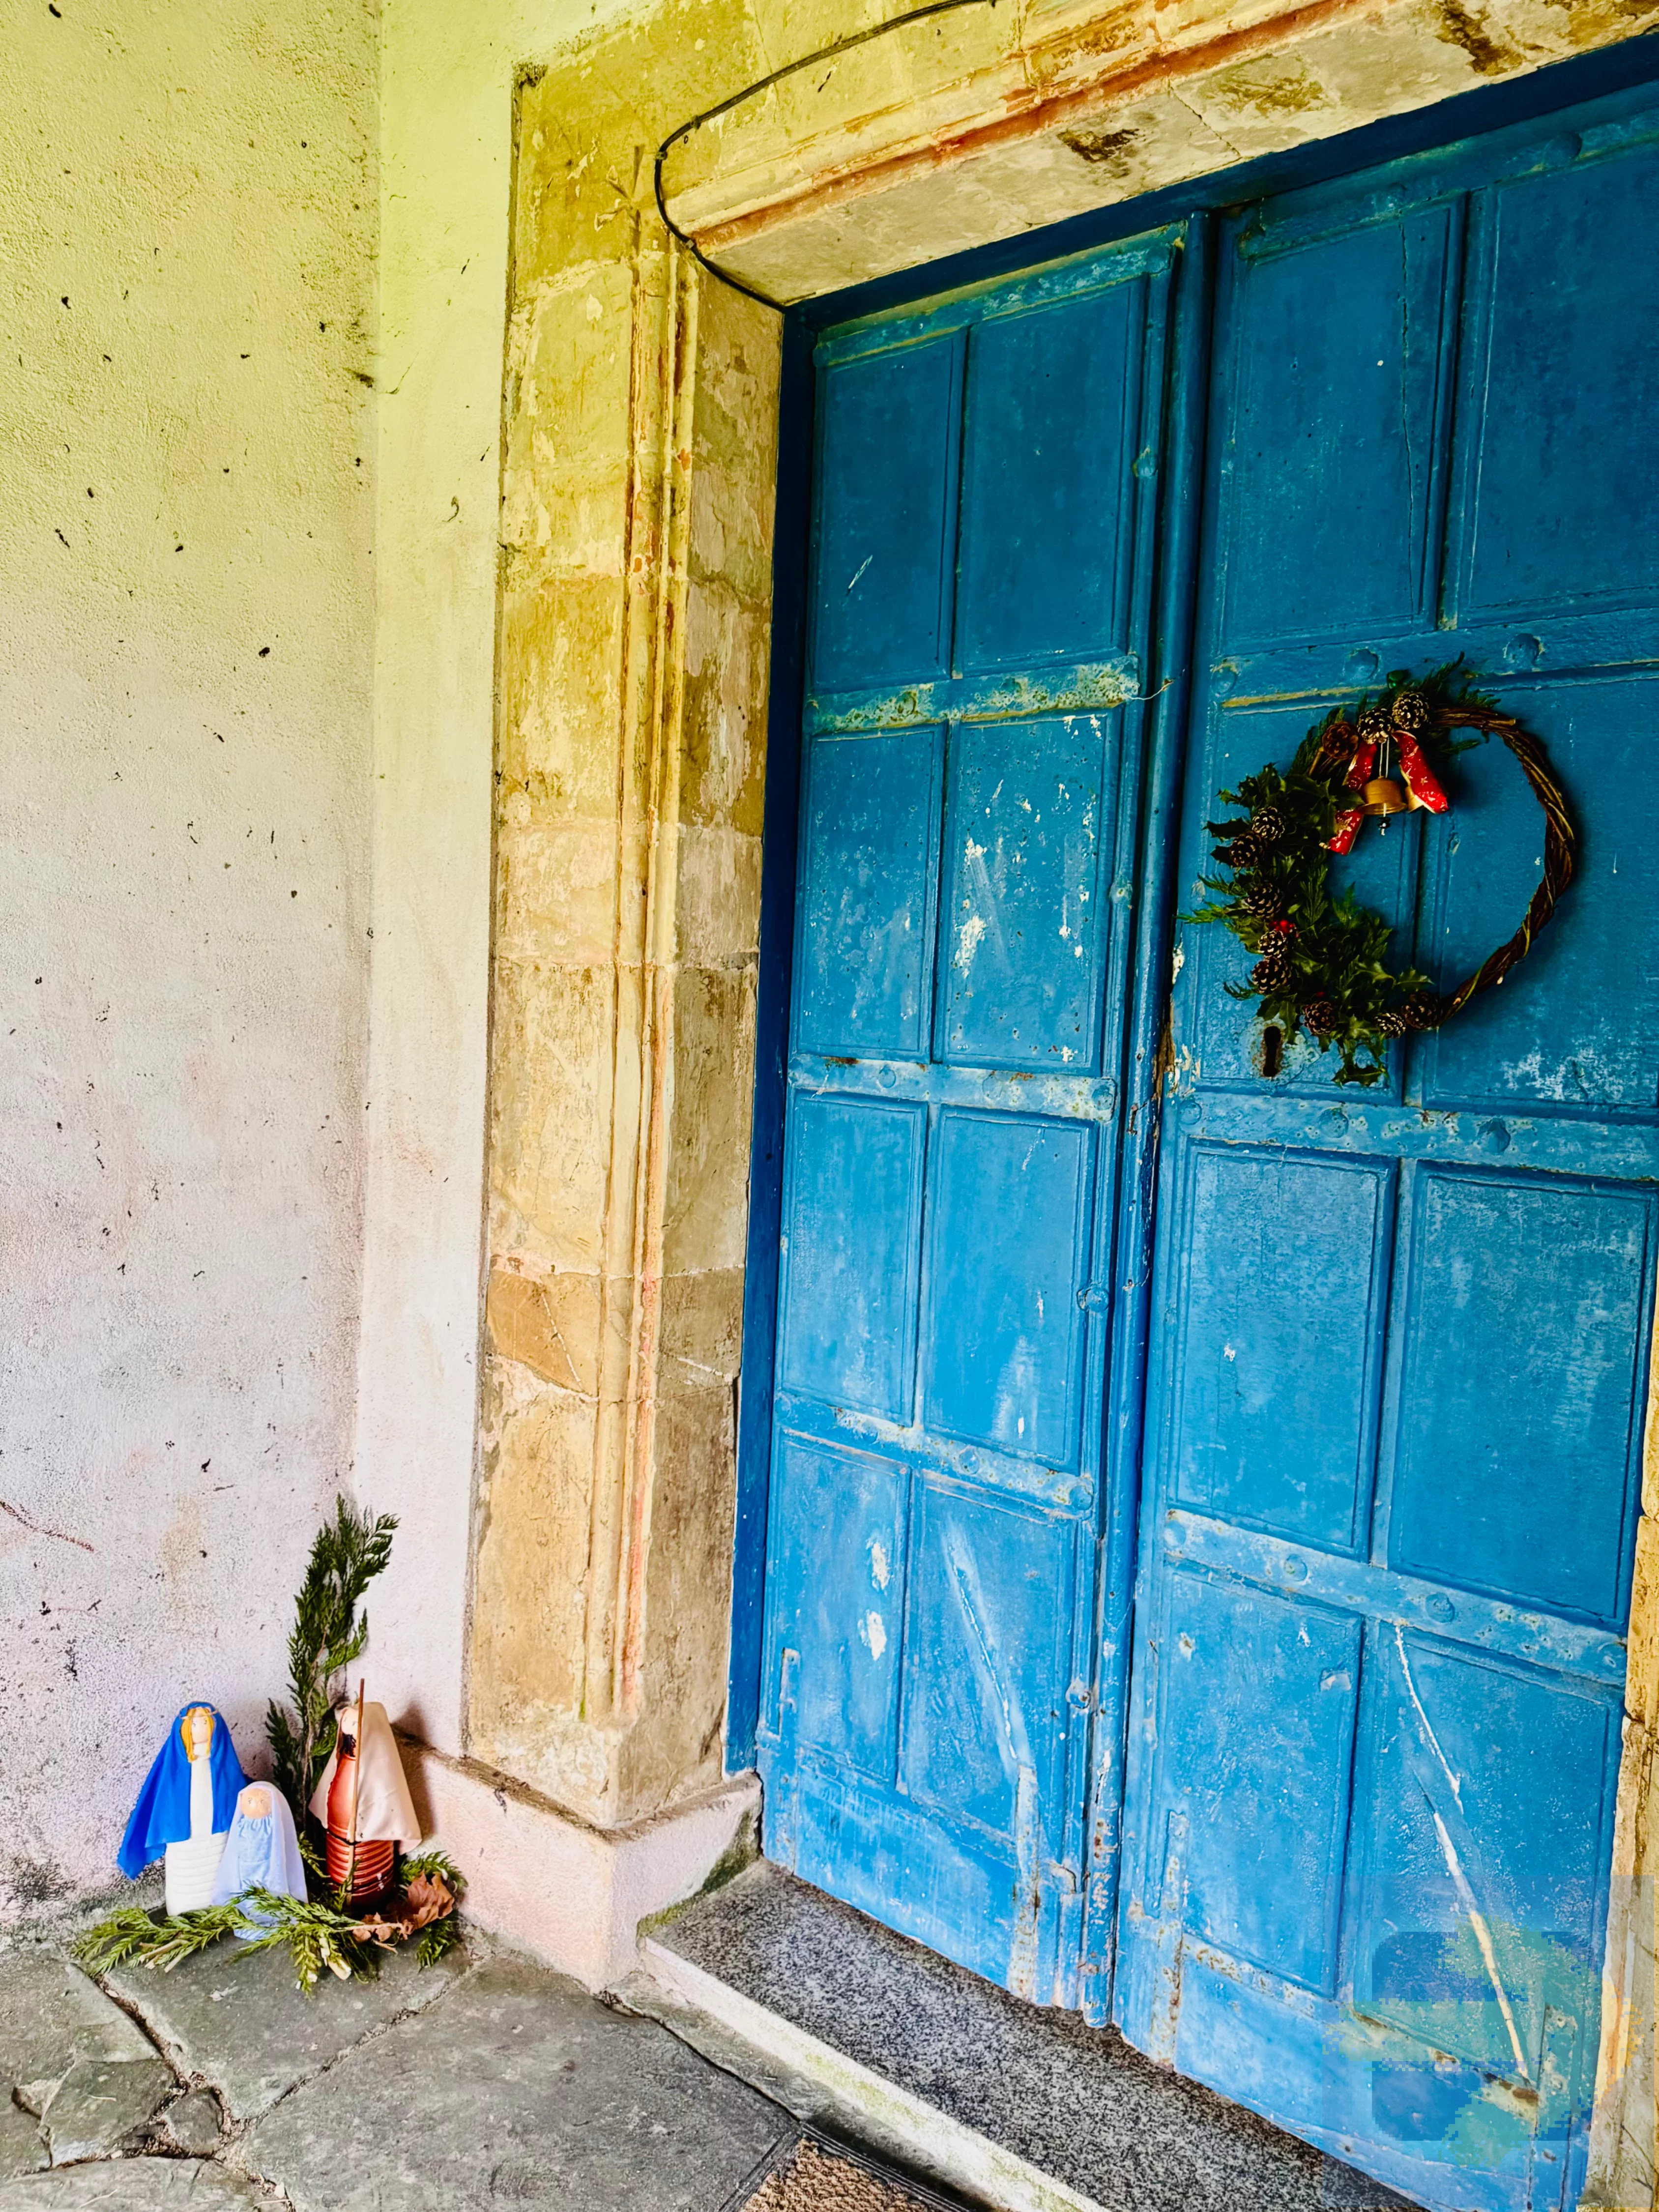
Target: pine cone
[(1267, 825), (1245, 852), (1273, 974), (1411, 711), (1262, 902), (1375, 725), (1392, 1022), (1424, 1009), (1322, 1017)]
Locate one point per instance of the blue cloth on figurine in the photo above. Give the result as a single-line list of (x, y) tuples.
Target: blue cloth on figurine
[(261, 1852), (162, 1814)]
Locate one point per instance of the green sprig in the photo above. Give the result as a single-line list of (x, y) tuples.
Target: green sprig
[(316, 1937), (329, 1633)]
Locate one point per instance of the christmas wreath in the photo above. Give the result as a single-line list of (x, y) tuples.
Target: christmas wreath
[(1320, 956)]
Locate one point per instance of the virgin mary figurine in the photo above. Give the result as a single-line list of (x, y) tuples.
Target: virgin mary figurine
[(185, 1809)]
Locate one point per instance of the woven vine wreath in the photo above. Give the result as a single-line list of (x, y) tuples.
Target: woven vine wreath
[(1319, 959)]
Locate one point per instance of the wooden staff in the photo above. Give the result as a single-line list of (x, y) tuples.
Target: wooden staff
[(356, 1793)]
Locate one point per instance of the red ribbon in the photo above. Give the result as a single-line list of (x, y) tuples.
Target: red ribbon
[(1419, 779)]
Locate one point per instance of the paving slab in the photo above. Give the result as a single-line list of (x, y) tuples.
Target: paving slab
[(195, 2124), (100, 2103), (518, 2089), (23, 2146), (237, 2021), (132, 2184), (53, 2016)]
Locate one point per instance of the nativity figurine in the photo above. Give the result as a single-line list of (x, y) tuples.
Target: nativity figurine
[(362, 1801), (261, 1851), (185, 1809)]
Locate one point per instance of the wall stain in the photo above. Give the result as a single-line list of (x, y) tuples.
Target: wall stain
[(1273, 91), (1467, 27), (1107, 150)]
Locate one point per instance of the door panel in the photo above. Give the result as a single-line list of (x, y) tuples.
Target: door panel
[(882, 606), (1048, 489), (964, 909), (1005, 1335), (1025, 940), (1510, 1051), (1570, 344), (1329, 518), (1529, 1492), (854, 1239), (1282, 1250), (1257, 1696), (869, 864), (1401, 1336)]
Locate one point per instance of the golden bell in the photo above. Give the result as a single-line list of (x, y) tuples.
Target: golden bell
[(1385, 796)]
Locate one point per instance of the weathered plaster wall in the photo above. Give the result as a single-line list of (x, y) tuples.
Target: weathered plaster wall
[(187, 207)]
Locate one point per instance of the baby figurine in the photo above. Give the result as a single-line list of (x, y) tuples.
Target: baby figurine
[(261, 1852), (184, 1811)]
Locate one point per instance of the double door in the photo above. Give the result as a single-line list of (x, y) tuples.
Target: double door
[(1090, 1293)]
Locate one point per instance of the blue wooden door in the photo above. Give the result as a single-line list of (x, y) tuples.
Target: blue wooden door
[(1401, 1337), (985, 498)]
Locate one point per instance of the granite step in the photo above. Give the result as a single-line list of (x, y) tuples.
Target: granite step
[(871, 2038)]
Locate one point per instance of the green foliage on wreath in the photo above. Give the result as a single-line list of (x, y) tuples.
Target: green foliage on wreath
[(1321, 957)]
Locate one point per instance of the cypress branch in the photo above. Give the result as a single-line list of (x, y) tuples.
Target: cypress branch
[(329, 1633)]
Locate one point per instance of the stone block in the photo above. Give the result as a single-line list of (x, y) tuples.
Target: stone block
[(530, 1618), (520, 2088), (550, 1111), (548, 1323), (100, 2103), (565, 476), (561, 671), (557, 888), (701, 1332), (717, 904), (728, 642), (237, 2020), (673, 1750), (706, 1209)]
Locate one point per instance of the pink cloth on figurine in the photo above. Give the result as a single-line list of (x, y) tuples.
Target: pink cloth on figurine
[(384, 1811)]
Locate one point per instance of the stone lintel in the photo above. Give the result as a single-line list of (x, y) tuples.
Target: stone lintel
[(921, 151)]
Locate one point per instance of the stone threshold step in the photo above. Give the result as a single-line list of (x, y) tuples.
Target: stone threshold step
[(869, 2037)]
